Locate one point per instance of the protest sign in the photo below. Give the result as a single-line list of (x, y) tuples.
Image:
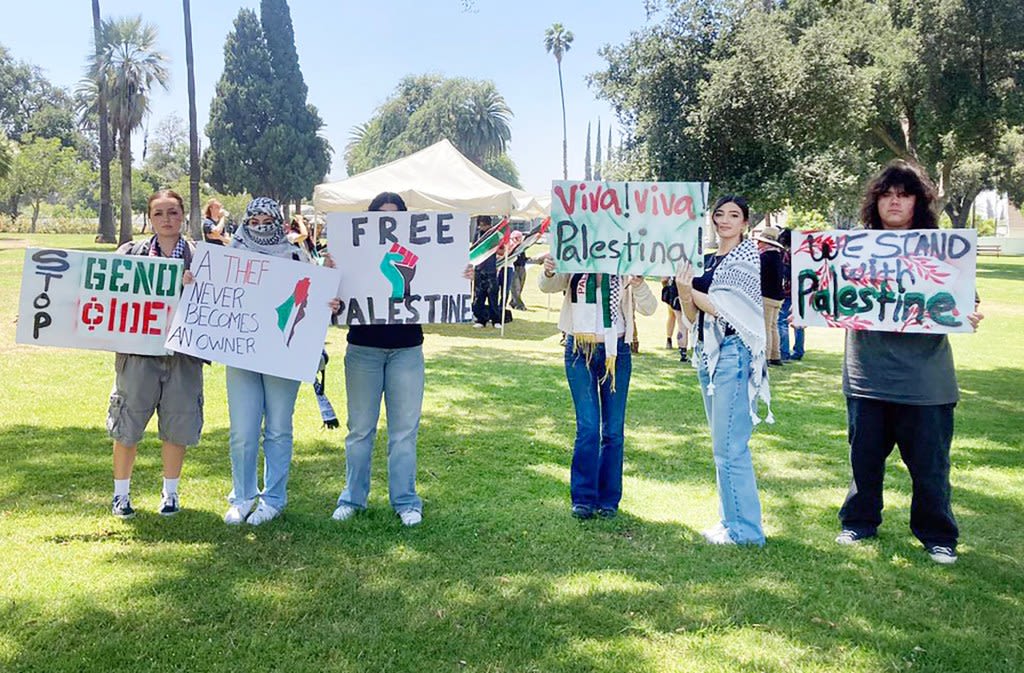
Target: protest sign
[(256, 312), (917, 280), (401, 268), (97, 301), (640, 228)]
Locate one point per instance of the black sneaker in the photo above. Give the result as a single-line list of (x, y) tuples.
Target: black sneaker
[(682, 355), (848, 536), (169, 505), (122, 507), (582, 511), (941, 555), (607, 512)]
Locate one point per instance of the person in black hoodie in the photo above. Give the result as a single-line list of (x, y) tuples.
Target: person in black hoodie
[(771, 289)]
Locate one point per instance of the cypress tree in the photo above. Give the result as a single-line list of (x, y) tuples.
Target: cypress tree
[(597, 162), (586, 158)]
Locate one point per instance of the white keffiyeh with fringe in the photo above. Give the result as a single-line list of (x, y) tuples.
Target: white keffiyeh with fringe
[(735, 293)]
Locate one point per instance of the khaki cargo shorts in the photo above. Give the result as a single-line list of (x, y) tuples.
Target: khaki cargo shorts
[(171, 385)]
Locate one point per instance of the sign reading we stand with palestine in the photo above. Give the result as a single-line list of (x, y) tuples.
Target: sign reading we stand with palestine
[(639, 228), (917, 280), (97, 301), (401, 268), (255, 312)]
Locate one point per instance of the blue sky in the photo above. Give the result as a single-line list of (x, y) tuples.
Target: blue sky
[(353, 54)]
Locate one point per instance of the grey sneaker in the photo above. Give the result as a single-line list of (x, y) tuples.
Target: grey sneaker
[(344, 512), (122, 507), (411, 517)]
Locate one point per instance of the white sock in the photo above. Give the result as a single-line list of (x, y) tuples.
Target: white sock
[(122, 486), (171, 485)]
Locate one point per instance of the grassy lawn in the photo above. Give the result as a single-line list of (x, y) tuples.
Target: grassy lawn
[(499, 577)]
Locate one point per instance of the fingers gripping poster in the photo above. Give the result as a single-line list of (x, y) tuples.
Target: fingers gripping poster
[(919, 280), (255, 312), (401, 267), (640, 228), (97, 301)]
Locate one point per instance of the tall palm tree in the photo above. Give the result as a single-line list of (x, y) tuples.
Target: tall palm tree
[(557, 41), (128, 66), (483, 124), (106, 226), (194, 218)]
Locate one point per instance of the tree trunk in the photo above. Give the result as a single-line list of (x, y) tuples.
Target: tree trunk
[(35, 216), (105, 234), (126, 186), (565, 143), (959, 209), (195, 221)]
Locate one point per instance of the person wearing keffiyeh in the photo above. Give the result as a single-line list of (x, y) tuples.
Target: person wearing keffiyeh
[(725, 307), (169, 385), (596, 317)]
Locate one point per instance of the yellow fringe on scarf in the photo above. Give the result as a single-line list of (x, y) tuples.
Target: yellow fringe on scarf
[(584, 343)]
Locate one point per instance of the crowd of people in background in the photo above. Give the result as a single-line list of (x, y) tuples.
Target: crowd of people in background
[(900, 388)]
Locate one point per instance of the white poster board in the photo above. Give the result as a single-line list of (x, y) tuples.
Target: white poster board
[(97, 301), (918, 280), (255, 312), (401, 267)]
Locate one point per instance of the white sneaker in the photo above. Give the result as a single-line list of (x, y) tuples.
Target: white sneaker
[(942, 555), (238, 512), (718, 535), (477, 325), (344, 512), (497, 325), (410, 517), (262, 514)]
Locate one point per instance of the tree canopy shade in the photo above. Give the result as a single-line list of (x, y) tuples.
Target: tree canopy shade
[(42, 169), (264, 136), (798, 102), (426, 109)]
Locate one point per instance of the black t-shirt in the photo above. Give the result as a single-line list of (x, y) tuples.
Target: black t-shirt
[(772, 270), (703, 284), (915, 369), (386, 336)]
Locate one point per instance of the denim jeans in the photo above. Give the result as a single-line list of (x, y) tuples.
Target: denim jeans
[(260, 404), (596, 476), (798, 332), (923, 435), (398, 375), (728, 414)]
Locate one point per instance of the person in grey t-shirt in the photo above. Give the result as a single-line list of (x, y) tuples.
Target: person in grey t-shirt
[(900, 391)]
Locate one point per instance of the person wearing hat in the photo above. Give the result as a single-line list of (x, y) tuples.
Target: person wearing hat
[(771, 289)]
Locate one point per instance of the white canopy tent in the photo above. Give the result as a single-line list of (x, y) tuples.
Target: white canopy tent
[(438, 177)]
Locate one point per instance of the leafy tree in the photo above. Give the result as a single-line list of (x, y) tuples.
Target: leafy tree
[(44, 170), (425, 109), (264, 136), (129, 65), (557, 41), (167, 155)]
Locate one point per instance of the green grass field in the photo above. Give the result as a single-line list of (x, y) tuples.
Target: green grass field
[(499, 577)]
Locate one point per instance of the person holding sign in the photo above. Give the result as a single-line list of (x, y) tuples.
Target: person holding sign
[(900, 391), (597, 319), (170, 385), (383, 361), (725, 305), (260, 404)]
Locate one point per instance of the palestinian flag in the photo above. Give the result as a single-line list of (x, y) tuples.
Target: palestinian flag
[(528, 240), (489, 243), (293, 309)]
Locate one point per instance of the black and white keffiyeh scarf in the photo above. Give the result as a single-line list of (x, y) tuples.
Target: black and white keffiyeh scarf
[(736, 294), (269, 238)]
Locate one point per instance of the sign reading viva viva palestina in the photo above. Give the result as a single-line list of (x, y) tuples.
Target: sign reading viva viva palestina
[(256, 312), (917, 280), (401, 267), (640, 228), (98, 301)]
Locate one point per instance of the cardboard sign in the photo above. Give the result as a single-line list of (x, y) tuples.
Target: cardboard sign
[(97, 301), (640, 228), (401, 268), (918, 280), (256, 312)]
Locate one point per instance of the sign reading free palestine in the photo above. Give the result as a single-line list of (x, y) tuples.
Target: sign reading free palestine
[(639, 228)]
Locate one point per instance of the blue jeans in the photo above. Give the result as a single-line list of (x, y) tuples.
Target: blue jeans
[(260, 404), (728, 413), (798, 332), (398, 375), (596, 478)]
